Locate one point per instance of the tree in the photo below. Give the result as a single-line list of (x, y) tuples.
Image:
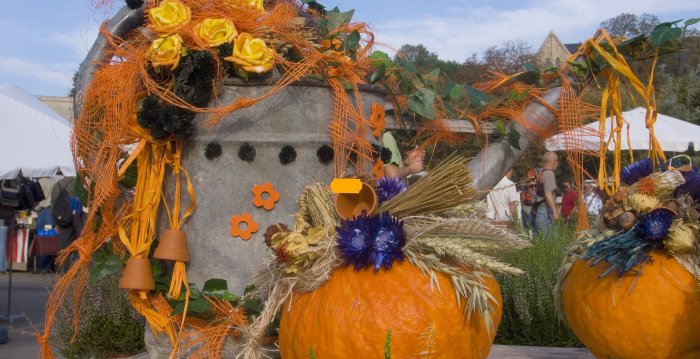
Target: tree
[(680, 96), (510, 57), (419, 56), (630, 25), (471, 71), (426, 61)]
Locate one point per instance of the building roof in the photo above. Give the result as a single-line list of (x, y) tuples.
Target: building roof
[(572, 47)]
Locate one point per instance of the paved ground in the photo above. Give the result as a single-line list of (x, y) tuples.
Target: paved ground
[(29, 294), (30, 291)]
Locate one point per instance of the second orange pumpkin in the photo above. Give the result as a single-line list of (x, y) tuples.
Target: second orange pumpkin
[(351, 314)]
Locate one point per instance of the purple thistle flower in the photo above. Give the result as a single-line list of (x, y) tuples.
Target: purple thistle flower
[(389, 237), (654, 226), (355, 240), (692, 184), (636, 171), (388, 187)]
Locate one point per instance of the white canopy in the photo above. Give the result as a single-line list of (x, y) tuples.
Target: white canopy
[(674, 135), (35, 139)]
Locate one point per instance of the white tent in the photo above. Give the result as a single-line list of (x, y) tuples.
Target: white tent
[(674, 135), (35, 139)]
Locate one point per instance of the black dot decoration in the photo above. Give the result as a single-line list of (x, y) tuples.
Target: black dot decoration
[(212, 151), (325, 154), (287, 155), (134, 4), (246, 152)]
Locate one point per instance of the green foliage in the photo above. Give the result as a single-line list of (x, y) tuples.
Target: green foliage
[(387, 346), (108, 326), (680, 96), (104, 262), (312, 354), (528, 302)]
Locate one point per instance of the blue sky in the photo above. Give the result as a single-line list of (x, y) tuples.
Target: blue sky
[(43, 41)]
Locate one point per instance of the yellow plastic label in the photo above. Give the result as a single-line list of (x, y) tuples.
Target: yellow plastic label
[(346, 185)]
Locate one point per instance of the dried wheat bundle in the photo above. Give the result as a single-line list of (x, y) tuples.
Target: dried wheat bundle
[(445, 187)]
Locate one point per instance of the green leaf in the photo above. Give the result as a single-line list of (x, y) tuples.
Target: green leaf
[(387, 346), (378, 58), (80, 189), (377, 74), (312, 355), (336, 18), (531, 76), (352, 41), (249, 289), (214, 284), (514, 138), (664, 34), (692, 21), (422, 102), (253, 306), (501, 127), (478, 99), (104, 264), (130, 176), (195, 306), (579, 68), (408, 66), (456, 93)]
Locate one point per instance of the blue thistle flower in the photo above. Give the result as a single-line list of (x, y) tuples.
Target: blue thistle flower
[(387, 188), (636, 171), (692, 184), (654, 226), (355, 240), (388, 239)]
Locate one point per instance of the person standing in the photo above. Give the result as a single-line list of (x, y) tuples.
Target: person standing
[(502, 201), (568, 199), (545, 207), (594, 205), (397, 167)]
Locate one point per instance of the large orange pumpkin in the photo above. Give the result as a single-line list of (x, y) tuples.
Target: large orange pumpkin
[(655, 315), (351, 314)]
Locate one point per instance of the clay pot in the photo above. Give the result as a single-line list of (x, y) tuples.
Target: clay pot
[(172, 246), (137, 275), (349, 205)]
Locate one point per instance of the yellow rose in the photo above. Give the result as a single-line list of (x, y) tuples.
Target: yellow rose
[(166, 51), (168, 16), (215, 32), (253, 4), (252, 54)]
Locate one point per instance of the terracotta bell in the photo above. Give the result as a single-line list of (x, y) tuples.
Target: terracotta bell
[(172, 246), (137, 275), (349, 205)]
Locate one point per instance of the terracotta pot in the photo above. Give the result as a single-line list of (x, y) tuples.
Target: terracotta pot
[(137, 275), (172, 246), (349, 205)]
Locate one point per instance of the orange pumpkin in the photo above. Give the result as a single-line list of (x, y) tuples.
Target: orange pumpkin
[(351, 314), (655, 315)]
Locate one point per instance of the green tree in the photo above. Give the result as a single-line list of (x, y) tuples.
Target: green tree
[(630, 25), (680, 96)]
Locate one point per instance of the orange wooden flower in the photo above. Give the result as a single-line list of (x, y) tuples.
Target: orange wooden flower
[(260, 199), (377, 119), (378, 168), (250, 226)]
